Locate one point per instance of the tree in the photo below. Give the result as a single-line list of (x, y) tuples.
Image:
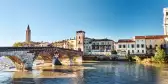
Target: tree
[(114, 52), (159, 55), (18, 44)]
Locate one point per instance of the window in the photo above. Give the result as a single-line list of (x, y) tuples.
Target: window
[(164, 45), (119, 46), (161, 46), (156, 45), (150, 46), (128, 45), (132, 45), (142, 51), (79, 37), (128, 51), (102, 43), (132, 51), (142, 45), (166, 13), (137, 51), (79, 42), (137, 45), (123, 46)]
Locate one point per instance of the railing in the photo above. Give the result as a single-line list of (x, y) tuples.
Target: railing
[(31, 48)]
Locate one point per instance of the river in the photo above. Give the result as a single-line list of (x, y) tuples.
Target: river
[(90, 73)]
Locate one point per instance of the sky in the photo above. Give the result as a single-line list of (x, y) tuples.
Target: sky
[(53, 20)]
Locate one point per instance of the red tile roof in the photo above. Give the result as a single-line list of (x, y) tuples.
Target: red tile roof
[(125, 40), (102, 39), (151, 37)]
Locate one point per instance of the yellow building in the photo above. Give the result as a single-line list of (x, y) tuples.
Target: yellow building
[(151, 41)]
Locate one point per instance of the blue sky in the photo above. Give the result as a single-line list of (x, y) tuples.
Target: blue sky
[(52, 20)]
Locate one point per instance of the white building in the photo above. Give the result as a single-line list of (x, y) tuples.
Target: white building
[(102, 46), (140, 45), (125, 46), (87, 46)]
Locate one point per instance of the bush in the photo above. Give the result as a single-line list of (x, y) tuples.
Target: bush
[(147, 60), (137, 59), (159, 55)]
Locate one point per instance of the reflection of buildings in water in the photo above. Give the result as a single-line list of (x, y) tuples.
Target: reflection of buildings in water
[(105, 68), (132, 70), (59, 75), (79, 77)]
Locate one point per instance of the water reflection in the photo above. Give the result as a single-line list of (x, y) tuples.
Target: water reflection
[(97, 73)]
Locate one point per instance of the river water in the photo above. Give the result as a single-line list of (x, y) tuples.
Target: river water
[(90, 73)]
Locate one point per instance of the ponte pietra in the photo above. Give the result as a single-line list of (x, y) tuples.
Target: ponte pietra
[(28, 54)]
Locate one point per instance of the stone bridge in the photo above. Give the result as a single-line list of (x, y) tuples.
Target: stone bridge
[(27, 55)]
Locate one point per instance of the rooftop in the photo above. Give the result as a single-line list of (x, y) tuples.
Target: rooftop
[(151, 37), (102, 39), (125, 40), (80, 31)]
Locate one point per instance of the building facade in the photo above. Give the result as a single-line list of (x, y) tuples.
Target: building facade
[(125, 46), (102, 46), (141, 45)]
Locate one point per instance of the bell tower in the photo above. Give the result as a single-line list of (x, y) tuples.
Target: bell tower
[(165, 20), (80, 37), (28, 34)]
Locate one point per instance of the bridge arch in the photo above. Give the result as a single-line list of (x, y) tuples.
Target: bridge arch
[(18, 64), (24, 57)]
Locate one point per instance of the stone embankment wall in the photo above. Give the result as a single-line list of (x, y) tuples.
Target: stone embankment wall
[(75, 60)]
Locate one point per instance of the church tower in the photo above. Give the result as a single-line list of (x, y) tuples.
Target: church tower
[(80, 37), (165, 20), (28, 34)]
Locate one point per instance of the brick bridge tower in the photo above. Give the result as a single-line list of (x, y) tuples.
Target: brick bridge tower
[(80, 37), (28, 34)]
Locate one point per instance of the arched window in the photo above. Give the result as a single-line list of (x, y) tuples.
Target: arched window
[(142, 45), (150, 46), (137, 51), (132, 51), (132, 45), (119, 46), (123, 46), (161, 46), (137, 45)]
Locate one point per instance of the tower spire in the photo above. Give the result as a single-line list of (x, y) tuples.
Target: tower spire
[(28, 28)]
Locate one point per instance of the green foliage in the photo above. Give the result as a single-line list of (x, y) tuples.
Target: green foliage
[(18, 44), (137, 59), (114, 52), (159, 55), (130, 58), (107, 54)]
